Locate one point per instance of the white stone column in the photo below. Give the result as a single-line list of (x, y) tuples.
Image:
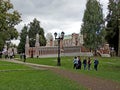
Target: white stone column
[(27, 46), (37, 45)]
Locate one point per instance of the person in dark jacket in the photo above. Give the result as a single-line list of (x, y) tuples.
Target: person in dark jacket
[(89, 63), (24, 57), (79, 63), (0, 54), (96, 62), (84, 63)]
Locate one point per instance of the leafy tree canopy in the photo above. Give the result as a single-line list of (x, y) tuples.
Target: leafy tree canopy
[(113, 23), (93, 25), (33, 30), (9, 18), (23, 34)]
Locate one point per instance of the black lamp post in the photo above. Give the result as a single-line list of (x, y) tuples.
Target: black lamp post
[(58, 39)]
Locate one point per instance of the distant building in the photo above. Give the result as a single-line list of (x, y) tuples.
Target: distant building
[(71, 45), (74, 39)]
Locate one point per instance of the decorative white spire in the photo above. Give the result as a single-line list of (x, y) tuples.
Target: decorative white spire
[(37, 44), (37, 37), (27, 39)]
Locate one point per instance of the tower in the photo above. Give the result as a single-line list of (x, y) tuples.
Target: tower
[(37, 45), (27, 46), (75, 39)]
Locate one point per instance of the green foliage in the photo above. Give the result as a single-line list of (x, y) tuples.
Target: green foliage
[(11, 66), (1, 41), (113, 23), (93, 25), (33, 30), (8, 19), (23, 34)]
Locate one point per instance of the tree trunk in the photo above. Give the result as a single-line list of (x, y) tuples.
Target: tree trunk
[(119, 39)]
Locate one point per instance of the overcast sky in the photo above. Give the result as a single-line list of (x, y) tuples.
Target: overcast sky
[(54, 15)]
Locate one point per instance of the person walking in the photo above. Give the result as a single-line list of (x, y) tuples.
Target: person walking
[(89, 63), (24, 57), (0, 54), (75, 62), (84, 63), (79, 63), (96, 62)]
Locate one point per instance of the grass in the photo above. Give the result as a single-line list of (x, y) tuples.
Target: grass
[(109, 68), (33, 79), (11, 66)]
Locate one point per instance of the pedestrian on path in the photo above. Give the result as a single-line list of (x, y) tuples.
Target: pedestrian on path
[(96, 62), (89, 63), (24, 57), (79, 63), (75, 62), (0, 54), (84, 63)]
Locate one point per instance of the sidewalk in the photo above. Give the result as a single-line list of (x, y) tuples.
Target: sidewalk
[(26, 63)]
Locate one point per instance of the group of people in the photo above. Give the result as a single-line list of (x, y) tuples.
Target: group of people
[(86, 63), (7, 55)]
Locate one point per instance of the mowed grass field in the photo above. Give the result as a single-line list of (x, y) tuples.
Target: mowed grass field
[(109, 68), (20, 77)]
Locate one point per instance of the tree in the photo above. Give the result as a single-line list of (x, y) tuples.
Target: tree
[(23, 34), (113, 24), (33, 30), (8, 19), (93, 25)]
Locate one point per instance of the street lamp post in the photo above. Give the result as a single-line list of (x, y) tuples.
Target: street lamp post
[(32, 53), (59, 39)]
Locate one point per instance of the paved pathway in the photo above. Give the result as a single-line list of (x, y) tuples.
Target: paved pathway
[(90, 82)]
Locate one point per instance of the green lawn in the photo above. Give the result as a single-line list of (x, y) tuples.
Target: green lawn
[(32, 79), (109, 68), (11, 66)]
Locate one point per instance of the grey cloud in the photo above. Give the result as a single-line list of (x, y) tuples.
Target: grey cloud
[(52, 14), (51, 9)]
